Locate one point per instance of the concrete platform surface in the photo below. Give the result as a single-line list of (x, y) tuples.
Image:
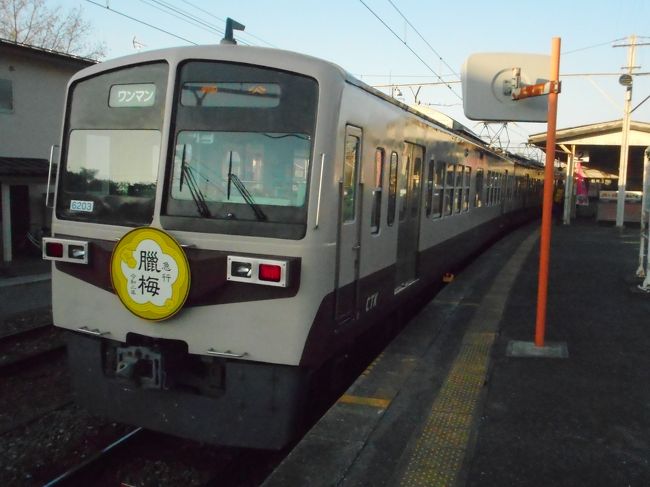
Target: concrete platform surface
[(445, 404)]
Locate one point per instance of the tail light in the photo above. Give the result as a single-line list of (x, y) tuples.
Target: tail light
[(53, 249), (268, 272), (60, 249)]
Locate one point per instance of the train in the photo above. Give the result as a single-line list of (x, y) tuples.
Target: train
[(228, 220)]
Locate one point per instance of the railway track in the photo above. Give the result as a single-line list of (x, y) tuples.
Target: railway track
[(143, 457), (29, 348), (86, 472)]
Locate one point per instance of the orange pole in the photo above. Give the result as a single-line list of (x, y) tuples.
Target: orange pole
[(545, 244)]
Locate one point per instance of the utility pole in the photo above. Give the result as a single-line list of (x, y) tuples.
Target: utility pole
[(625, 80)]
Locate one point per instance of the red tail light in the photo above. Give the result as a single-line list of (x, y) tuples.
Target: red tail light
[(266, 271), (269, 272), (54, 249), (64, 250)]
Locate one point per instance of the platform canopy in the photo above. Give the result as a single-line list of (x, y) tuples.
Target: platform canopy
[(598, 146)]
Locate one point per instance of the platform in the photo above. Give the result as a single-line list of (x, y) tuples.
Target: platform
[(25, 294), (445, 405)]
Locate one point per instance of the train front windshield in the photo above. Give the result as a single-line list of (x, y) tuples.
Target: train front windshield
[(238, 159), (242, 150), (111, 147)]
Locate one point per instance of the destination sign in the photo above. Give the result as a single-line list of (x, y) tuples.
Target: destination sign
[(135, 95)]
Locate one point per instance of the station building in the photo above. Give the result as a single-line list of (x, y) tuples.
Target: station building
[(598, 148), (32, 95)]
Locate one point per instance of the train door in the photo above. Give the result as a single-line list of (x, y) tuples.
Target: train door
[(349, 234), (408, 233)]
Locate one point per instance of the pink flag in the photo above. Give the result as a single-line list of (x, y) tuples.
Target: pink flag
[(582, 198)]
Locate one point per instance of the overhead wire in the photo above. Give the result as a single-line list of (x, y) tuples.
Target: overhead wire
[(180, 14), (409, 48), (183, 16), (159, 29), (423, 39), (207, 12), (564, 53)]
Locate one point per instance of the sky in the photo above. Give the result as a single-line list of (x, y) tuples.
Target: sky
[(429, 42)]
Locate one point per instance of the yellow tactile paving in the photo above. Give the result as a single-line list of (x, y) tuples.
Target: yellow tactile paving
[(372, 365), (440, 450), (375, 402)]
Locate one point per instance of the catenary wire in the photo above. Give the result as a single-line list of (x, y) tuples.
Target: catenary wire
[(106, 7), (169, 10), (593, 46), (187, 17), (423, 39), (207, 12), (408, 47)]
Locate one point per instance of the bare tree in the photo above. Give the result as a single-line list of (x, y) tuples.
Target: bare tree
[(33, 22)]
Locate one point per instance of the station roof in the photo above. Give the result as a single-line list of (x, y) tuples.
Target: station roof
[(597, 134), (23, 168), (598, 147)]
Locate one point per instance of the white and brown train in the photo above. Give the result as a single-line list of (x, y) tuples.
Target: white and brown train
[(228, 219)]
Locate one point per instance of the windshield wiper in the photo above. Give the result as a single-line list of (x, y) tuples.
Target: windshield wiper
[(248, 198), (195, 192)]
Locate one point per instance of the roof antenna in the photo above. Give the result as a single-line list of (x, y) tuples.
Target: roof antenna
[(230, 26)]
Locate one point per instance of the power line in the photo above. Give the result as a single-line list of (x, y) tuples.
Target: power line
[(408, 47), (207, 12), (141, 21), (421, 37), (593, 46), (187, 17), (390, 75), (434, 83), (181, 15)]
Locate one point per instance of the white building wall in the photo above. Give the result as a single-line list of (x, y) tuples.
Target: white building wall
[(39, 87)]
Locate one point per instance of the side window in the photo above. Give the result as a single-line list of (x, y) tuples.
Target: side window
[(6, 96), (375, 215), (350, 165), (490, 188), (417, 182), (403, 188), (478, 197), (499, 188), (392, 189), (467, 176), (428, 200), (449, 189), (459, 188), (438, 188)]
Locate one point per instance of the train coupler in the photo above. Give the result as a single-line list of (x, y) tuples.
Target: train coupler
[(140, 365)]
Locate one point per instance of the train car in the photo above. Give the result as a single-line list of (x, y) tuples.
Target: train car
[(229, 219)]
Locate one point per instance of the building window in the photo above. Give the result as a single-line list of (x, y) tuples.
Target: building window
[(6, 96)]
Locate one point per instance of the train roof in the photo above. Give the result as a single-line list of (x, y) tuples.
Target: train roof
[(289, 61)]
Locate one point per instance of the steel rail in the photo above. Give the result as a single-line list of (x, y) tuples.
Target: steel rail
[(71, 476)]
